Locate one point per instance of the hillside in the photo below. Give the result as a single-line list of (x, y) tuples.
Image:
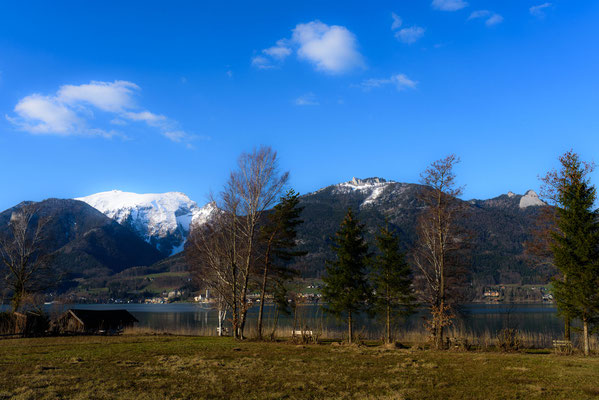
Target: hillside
[(84, 243)]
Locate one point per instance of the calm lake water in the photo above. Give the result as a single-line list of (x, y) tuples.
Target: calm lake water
[(477, 318)]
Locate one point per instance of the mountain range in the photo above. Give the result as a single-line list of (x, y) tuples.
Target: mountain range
[(110, 236)]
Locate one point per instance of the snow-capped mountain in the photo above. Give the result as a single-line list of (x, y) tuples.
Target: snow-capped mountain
[(370, 192), (161, 219), (499, 226)]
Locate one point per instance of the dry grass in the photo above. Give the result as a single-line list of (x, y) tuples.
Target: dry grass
[(172, 367), (485, 341)]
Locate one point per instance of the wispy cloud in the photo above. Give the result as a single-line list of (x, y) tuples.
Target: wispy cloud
[(539, 11), (494, 20), (262, 62), (407, 35), (449, 5), (410, 35), (397, 21), (309, 99), (400, 81), (71, 110), (479, 14), (489, 17), (330, 48), (280, 51)]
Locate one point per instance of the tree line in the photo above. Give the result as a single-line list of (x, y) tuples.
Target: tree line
[(251, 241)]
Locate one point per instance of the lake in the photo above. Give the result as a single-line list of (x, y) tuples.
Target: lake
[(474, 318)]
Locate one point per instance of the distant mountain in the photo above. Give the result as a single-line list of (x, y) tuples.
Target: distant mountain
[(84, 242), (128, 234), (498, 226), (511, 200), (162, 219)]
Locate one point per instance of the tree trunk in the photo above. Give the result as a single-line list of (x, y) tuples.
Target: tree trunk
[(242, 323), (439, 326), (441, 321), (349, 327), (276, 322), (262, 294), (585, 333), (388, 338), (17, 299), (566, 328), (222, 313), (294, 320)]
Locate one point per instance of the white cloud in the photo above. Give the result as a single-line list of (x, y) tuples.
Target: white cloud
[(261, 62), (107, 96), (146, 116), (280, 51), (397, 21), (71, 110), (479, 14), (490, 18), (494, 20), (410, 35), (449, 5), (539, 11), (308, 99), (400, 81), (43, 114), (175, 136), (332, 49)]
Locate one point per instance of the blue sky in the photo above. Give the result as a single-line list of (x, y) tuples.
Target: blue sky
[(163, 96)]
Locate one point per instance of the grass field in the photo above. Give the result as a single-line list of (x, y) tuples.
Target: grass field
[(175, 367)]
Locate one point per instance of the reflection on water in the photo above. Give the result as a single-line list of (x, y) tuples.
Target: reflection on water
[(477, 318)]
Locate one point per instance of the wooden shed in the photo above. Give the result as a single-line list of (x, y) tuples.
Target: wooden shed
[(22, 324), (93, 321)]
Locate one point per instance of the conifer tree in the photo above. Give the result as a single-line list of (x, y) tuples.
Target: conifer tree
[(575, 243), (346, 288), (392, 281), (278, 236)]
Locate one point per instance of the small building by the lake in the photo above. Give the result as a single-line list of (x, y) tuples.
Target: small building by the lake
[(22, 324), (79, 321)]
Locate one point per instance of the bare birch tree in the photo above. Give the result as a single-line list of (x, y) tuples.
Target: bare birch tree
[(227, 248), (439, 239), (25, 271)]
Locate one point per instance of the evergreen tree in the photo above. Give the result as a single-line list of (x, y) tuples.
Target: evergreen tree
[(278, 236), (392, 281), (575, 244), (346, 288)]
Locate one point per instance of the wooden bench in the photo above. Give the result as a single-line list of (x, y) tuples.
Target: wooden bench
[(225, 331), (562, 346), (302, 333)]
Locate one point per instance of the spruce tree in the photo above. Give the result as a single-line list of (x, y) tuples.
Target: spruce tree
[(278, 236), (346, 288), (575, 244), (392, 281)]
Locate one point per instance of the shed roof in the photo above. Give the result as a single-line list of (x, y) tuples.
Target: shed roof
[(101, 317)]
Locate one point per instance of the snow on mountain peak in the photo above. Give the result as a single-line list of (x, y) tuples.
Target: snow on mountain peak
[(366, 182), (372, 187), (531, 198), (162, 219)]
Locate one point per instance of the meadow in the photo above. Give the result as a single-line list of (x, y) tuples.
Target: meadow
[(185, 367)]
